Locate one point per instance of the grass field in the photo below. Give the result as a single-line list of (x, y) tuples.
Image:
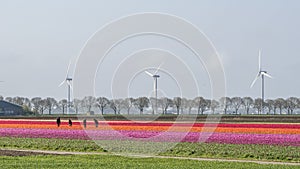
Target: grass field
[(212, 150), (109, 161)]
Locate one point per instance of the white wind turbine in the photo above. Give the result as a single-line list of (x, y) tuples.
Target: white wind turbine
[(155, 77), (261, 73), (68, 81)]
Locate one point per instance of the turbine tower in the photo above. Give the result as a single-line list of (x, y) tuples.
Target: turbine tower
[(155, 77), (68, 81), (261, 73)]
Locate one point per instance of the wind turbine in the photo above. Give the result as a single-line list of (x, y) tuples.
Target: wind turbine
[(155, 77), (261, 73), (68, 81)]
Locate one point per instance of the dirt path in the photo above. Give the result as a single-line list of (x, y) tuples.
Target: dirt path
[(17, 152)]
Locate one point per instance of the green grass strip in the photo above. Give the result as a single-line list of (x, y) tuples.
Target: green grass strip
[(109, 162), (210, 150)]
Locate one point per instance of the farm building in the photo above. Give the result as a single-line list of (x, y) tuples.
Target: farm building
[(9, 109)]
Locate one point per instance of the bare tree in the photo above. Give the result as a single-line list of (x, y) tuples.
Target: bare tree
[(116, 105), (9, 99), (214, 105), (208, 104), (225, 103), (201, 104), (50, 103), (119, 105), (36, 104), (141, 103), (247, 103), (18, 100), (187, 104), (43, 105), (88, 102), (280, 104), (128, 103), (177, 103), (270, 105), (102, 103), (292, 104), (165, 103), (113, 106), (77, 103), (258, 105), (63, 105), (237, 102), (27, 103)]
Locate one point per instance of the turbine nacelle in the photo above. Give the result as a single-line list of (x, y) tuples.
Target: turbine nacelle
[(154, 75), (68, 78)]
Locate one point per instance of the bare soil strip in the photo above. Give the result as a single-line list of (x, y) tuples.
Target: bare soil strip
[(220, 160), (16, 152)]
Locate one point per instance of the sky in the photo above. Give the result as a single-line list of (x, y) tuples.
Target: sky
[(38, 39)]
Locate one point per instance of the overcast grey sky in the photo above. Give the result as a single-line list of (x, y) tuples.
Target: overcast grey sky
[(38, 38)]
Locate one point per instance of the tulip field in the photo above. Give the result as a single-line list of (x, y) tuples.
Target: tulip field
[(269, 134), (259, 141)]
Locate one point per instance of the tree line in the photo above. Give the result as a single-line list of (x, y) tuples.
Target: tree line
[(176, 105)]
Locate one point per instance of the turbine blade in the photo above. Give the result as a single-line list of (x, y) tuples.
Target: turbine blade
[(158, 68), (61, 83), (68, 69), (252, 84), (148, 73), (259, 60), (269, 76)]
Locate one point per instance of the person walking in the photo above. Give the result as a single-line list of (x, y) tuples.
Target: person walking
[(96, 123), (70, 123), (84, 123), (58, 121)]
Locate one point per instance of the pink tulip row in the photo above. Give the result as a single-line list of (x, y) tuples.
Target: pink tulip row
[(226, 138)]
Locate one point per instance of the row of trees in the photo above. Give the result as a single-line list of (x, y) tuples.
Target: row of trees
[(200, 105)]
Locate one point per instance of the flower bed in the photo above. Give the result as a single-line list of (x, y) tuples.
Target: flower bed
[(273, 134)]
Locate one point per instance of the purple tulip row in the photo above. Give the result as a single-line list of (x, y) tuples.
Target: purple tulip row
[(226, 138)]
